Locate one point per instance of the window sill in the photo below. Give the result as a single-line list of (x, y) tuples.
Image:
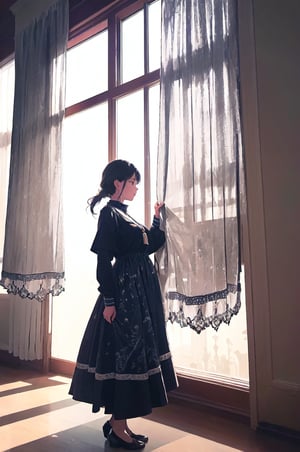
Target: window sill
[(228, 395)]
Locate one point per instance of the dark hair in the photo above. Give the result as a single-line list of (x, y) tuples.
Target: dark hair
[(117, 169)]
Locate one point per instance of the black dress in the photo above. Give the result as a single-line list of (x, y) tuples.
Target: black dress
[(125, 366)]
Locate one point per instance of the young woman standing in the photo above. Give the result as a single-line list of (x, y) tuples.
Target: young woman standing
[(124, 362)]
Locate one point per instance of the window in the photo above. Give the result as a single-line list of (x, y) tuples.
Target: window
[(113, 112)]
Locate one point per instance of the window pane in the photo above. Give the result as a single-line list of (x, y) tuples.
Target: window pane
[(132, 47), (130, 141), (87, 72), (84, 157), (154, 15)]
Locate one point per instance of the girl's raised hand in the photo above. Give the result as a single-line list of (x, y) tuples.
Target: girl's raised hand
[(157, 207)]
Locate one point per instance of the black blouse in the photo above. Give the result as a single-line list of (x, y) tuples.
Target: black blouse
[(119, 234)]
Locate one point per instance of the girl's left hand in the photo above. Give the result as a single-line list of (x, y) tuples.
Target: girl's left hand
[(157, 207), (109, 313)]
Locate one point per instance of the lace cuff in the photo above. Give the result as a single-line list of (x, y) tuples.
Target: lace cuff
[(109, 301), (156, 222)]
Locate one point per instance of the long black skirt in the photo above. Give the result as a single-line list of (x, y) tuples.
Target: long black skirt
[(126, 366)]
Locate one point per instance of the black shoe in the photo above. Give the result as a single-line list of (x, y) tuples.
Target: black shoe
[(107, 428), (142, 438), (115, 441)]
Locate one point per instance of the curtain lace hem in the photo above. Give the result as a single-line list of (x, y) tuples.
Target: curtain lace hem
[(201, 320), (202, 299), (35, 286)]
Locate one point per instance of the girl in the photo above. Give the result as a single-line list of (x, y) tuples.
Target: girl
[(124, 363)]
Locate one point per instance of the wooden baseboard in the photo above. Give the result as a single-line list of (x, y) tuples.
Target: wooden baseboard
[(279, 431), (215, 395), (7, 359), (62, 367)]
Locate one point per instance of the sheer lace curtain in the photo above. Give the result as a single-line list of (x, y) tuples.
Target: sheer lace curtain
[(199, 164), (33, 247)]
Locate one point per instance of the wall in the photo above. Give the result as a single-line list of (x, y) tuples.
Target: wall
[(270, 75)]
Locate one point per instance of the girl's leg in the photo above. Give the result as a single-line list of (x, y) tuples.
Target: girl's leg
[(120, 429)]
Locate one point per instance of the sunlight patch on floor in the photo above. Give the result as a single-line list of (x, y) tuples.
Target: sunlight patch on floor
[(28, 400), (32, 429), (192, 443), (14, 385), (60, 379)]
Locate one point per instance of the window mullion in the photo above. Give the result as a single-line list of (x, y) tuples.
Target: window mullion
[(146, 40), (147, 158), (147, 184), (112, 79)]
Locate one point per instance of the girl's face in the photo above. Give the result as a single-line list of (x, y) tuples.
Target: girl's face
[(129, 191)]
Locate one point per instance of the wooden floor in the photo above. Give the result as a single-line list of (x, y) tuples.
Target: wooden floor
[(37, 414)]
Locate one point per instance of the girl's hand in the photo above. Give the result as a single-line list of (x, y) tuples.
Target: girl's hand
[(157, 207), (109, 313)]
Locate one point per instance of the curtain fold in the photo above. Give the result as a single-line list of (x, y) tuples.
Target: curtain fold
[(199, 166), (7, 76), (33, 261), (33, 248)]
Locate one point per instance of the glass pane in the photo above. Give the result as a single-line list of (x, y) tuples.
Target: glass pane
[(130, 141), (153, 139), (132, 47), (87, 72), (84, 158), (154, 15)]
